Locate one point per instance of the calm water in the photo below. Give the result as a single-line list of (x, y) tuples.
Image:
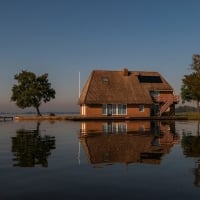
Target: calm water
[(99, 160)]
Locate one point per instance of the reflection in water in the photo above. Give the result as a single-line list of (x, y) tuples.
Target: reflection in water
[(191, 148), (197, 173), (30, 148), (191, 145), (127, 142)]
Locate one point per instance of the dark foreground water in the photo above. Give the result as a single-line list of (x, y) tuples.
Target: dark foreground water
[(99, 160)]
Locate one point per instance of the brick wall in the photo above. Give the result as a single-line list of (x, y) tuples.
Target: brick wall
[(132, 111)]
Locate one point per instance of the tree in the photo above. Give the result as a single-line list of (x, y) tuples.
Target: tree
[(190, 90), (196, 63), (32, 90)]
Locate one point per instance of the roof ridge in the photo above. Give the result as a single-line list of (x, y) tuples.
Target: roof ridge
[(137, 71)]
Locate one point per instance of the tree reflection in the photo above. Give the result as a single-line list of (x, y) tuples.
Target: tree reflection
[(191, 145), (197, 174), (30, 148), (191, 148)]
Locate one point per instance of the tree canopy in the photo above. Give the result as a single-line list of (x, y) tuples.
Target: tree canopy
[(31, 90), (196, 63), (190, 90)]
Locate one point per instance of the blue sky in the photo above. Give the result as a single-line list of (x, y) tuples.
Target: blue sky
[(65, 37)]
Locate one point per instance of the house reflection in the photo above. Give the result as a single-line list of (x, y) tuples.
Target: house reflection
[(30, 148), (127, 142)]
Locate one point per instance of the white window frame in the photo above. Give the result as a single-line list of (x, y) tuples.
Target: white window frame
[(117, 109), (122, 109)]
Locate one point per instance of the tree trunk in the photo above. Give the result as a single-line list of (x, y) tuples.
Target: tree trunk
[(198, 108), (198, 128), (38, 111), (38, 127)]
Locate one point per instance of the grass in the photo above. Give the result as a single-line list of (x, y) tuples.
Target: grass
[(43, 117), (192, 115)]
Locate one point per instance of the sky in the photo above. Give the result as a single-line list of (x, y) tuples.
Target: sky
[(66, 37)]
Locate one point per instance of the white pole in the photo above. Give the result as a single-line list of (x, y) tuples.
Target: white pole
[(79, 84), (79, 92), (79, 152)]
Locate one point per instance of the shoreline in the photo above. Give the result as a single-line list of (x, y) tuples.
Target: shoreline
[(82, 118)]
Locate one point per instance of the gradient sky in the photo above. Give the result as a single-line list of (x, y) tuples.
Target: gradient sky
[(65, 37)]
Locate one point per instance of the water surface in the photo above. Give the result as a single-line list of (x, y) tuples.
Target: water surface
[(99, 160)]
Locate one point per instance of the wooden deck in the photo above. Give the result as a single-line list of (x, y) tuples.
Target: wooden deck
[(6, 118), (80, 118)]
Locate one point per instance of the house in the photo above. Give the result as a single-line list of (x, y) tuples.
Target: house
[(127, 93)]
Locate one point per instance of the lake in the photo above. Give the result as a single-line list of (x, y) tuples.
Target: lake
[(99, 160)]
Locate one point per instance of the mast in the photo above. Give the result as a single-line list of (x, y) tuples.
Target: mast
[(79, 84), (79, 92)]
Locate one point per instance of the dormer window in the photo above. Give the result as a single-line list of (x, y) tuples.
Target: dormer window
[(105, 80), (154, 93)]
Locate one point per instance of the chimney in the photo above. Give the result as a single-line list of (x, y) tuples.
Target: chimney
[(125, 72)]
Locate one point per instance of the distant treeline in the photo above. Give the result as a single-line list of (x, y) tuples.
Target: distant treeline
[(181, 109)]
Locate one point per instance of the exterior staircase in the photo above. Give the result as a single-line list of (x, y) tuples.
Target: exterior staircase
[(165, 101), (166, 105)]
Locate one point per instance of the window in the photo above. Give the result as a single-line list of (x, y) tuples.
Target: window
[(114, 109), (122, 109), (105, 80), (154, 93), (141, 108), (104, 109)]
